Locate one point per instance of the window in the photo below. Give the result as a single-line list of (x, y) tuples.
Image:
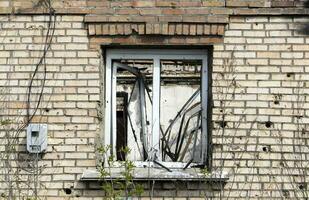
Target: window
[(156, 104)]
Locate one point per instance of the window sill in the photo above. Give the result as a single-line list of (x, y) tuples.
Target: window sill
[(158, 174)]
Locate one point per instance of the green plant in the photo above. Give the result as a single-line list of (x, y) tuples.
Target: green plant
[(205, 172), (124, 186)]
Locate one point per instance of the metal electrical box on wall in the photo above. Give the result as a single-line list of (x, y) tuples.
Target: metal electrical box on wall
[(36, 138)]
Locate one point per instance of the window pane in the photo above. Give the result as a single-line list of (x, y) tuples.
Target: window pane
[(180, 110), (134, 107)]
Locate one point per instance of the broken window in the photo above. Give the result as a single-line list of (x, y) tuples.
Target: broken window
[(156, 104)]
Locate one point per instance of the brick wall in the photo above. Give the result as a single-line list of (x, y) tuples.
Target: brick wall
[(260, 88), (262, 66), (70, 101), (151, 10)]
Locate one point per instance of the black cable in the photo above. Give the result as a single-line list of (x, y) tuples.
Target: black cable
[(48, 40), (47, 45)]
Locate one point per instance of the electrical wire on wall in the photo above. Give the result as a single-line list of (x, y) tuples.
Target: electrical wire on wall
[(32, 160), (47, 44), (23, 170), (42, 62)]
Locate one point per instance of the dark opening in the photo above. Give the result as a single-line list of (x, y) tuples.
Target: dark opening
[(268, 124), (121, 140), (35, 134), (67, 191)]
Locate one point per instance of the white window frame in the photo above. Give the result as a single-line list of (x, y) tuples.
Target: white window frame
[(156, 55)]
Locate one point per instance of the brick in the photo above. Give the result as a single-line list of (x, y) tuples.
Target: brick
[(173, 11), (192, 30), (279, 33), (178, 29), (72, 18), (144, 4), (176, 40), (64, 177), (77, 97), (199, 29), (105, 29), (76, 46), (88, 54), (78, 39), (76, 61), (64, 39), (276, 26), (98, 29), (213, 3), (112, 29), (233, 33), (134, 28), (280, 3), (66, 148), (221, 29), (156, 28), (210, 40), (164, 28), (149, 29), (280, 47), (120, 29), (234, 40), (206, 29), (237, 3), (254, 33), (245, 54), (77, 32), (75, 156), (141, 29), (123, 11), (65, 54), (268, 54), (238, 26), (84, 163), (171, 29), (185, 29), (214, 30), (292, 55), (257, 61), (152, 11)]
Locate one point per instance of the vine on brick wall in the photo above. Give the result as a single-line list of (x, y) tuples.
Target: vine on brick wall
[(22, 170)]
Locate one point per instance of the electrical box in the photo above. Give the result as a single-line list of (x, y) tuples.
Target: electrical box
[(36, 138)]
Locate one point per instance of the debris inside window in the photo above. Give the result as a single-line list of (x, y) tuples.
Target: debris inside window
[(180, 110), (157, 106), (134, 78)]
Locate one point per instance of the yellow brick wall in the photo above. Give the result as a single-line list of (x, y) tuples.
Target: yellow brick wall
[(260, 86)]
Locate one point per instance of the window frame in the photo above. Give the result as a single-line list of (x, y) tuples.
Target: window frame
[(156, 55)]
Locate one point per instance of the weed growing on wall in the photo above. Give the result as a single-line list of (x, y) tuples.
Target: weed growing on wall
[(21, 171), (122, 186)]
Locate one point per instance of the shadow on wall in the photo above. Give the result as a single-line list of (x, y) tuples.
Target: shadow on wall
[(305, 28)]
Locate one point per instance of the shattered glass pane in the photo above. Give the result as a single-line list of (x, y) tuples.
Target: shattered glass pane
[(180, 110), (134, 78)]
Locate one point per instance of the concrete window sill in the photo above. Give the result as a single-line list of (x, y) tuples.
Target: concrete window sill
[(158, 174)]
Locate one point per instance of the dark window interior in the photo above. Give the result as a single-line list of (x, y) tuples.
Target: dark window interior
[(121, 141)]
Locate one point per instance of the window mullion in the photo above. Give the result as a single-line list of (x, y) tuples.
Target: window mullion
[(204, 101), (113, 133), (108, 102), (155, 135)]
